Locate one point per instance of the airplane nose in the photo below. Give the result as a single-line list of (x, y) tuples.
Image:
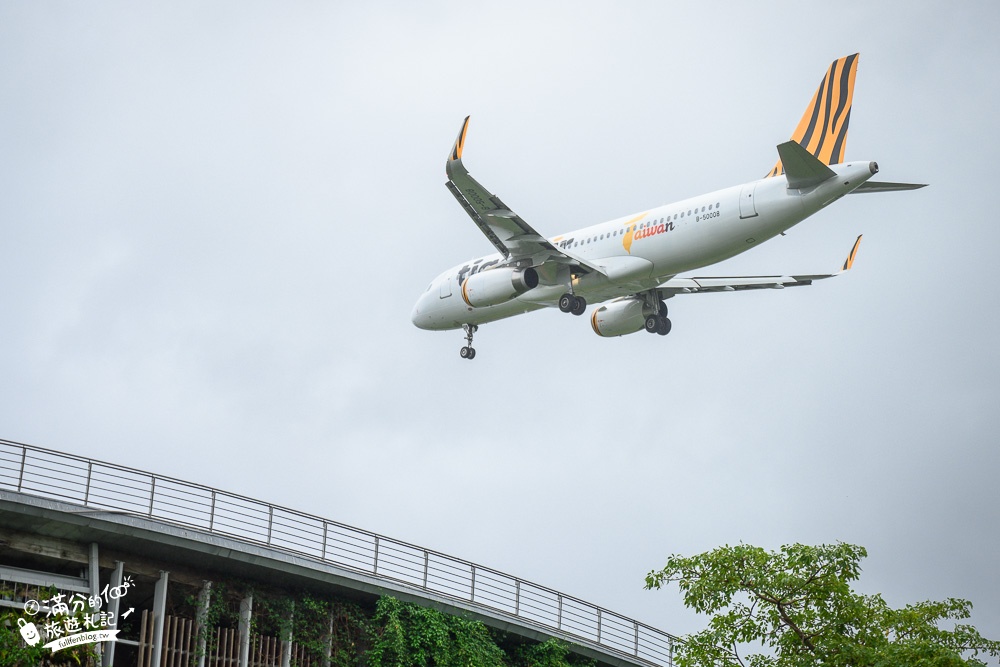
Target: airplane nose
[(420, 315)]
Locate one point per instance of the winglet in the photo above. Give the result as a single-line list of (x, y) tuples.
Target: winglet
[(823, 128), (849, 262), (456, 151)]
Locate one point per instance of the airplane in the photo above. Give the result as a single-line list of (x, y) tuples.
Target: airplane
[(634, 263)]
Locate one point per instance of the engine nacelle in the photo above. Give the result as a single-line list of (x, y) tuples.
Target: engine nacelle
[(497, 286), (619, 318)]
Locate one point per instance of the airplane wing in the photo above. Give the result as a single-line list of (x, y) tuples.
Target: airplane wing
[(512, 236), (739, 283)]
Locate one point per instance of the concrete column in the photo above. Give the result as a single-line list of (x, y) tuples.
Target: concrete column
[(159, 615), (329, 643), (201, 621), (246, 609), (286, 640), (94, 578), (94, 575), (108, 658)]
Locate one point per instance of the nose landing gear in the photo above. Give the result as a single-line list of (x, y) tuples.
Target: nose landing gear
[(469, 352)]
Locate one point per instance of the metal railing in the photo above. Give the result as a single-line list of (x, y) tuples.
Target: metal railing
[(106, 486)]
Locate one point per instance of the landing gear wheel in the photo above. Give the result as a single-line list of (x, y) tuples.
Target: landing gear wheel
[(580, 306), (663, 308), (566, 302), (468, 352), (652, 324), (663, 326)]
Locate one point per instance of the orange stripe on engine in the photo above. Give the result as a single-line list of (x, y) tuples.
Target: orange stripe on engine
[(593, 323), (465, 292)]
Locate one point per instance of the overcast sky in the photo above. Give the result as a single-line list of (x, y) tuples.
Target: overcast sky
[(216, 218)]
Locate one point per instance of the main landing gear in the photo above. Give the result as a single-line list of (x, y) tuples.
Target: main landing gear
[(469, 352), (569, 303), (659, 323)]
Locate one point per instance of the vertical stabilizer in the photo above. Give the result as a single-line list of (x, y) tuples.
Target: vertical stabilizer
[(823, 128)]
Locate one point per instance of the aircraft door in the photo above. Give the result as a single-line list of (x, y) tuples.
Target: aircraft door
[(445, 289), (747, 207)]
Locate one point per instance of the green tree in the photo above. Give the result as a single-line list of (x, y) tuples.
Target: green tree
[(550, 653), (798, 606), (411, 636)]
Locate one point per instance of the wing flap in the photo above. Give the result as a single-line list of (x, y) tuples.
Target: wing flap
[(734, 283), (740, 283)]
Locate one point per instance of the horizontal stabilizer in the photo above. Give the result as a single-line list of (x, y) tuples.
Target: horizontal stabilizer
[(873, 186), (802, 168)]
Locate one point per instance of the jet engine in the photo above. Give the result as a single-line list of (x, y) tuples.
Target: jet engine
[(619, 317), (494, 286)]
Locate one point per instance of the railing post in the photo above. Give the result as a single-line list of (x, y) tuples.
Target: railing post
[(426, 559), (211, 515), (559, 618), (375, 566), (517, 597), (670, 651), (598, 625), (86, 493), (152, 495), (20, 479), (270, 522), (635, 625), (326, 527), (472, 595)]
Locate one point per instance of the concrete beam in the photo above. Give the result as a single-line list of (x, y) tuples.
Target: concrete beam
[(45, 579)]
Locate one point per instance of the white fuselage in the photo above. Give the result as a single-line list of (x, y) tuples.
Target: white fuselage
[(641, 251)]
